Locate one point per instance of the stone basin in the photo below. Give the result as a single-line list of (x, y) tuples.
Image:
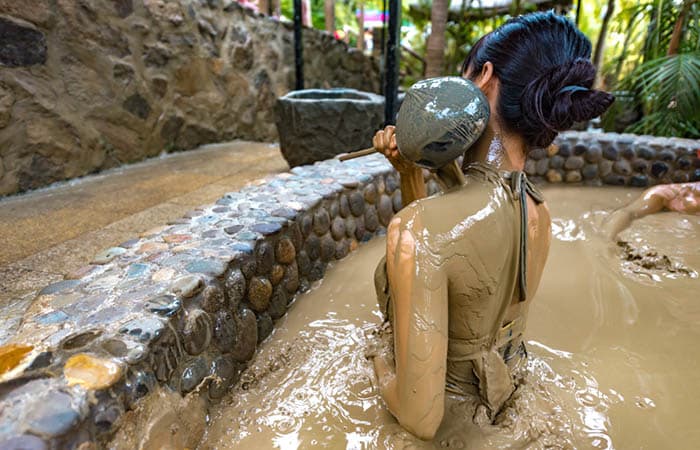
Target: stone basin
[(317, 124), (184, 307)]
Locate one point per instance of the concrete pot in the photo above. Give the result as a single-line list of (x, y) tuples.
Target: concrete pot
[(318, 124)]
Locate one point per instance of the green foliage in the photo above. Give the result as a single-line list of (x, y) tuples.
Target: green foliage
[(668, 91), (663, 90)]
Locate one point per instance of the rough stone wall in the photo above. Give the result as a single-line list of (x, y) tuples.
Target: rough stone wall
[(90, 84), (615, 159)]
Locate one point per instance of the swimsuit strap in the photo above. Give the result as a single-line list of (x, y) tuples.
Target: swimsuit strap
[(521, 188)]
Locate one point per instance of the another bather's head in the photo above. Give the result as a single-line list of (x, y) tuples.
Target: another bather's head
[(536, 70)]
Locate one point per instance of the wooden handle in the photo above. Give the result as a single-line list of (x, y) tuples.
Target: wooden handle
[(357, 154)]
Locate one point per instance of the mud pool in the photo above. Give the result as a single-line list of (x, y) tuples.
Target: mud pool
[(612, 342)]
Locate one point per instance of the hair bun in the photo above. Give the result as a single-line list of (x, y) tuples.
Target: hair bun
[(560, 96)]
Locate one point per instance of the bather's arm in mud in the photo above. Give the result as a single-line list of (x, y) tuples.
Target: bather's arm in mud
[(683, 198), (413, 386)]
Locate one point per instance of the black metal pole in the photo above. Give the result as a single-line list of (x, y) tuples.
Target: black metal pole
[(391, 65), (578, 11), (298, 48), (382, 68)]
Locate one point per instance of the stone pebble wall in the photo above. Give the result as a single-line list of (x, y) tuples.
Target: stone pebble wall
[(615, 159), (86, 85), (188, 301)]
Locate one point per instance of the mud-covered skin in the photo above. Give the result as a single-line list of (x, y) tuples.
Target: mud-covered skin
[(681, 197), (452, 266)]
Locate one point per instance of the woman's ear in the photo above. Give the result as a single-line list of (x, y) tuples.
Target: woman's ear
[(484, 79)]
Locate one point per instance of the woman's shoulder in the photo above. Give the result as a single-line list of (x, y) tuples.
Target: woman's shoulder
[(476, 200)]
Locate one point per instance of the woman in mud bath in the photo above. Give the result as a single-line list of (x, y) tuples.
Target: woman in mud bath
[(462, 267)]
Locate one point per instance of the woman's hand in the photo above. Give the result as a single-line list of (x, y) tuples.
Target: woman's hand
[(384, 142)]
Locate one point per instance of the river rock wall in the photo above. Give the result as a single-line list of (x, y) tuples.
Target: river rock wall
[(615, 159), (185, 305), (87, 85)]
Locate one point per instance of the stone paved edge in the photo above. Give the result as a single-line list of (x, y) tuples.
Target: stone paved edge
[(615, 159), (184, 305)]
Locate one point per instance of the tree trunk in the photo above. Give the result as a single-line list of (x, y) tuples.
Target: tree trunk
[(600, 44), (361, 27), (264, 7), (329, 10), (677, 35), (306, 13), (435, 49), (275, 8)]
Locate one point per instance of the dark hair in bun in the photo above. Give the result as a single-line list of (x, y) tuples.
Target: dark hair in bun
[(542, 62)]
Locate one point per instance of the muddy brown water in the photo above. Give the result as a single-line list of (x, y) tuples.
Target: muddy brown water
[(613, 343)]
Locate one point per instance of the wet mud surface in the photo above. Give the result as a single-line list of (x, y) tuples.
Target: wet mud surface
[(612, 351)]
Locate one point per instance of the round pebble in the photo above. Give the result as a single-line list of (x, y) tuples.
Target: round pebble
[(572, 176), (622, 167), (278, 303), (212, 298), (235, 286), (187, 286), (224, 331), (264, 257), (304, 262), (294, 233), (322, 222), (357, 203), (590, 171), (614, 179), (307, 224), (197, 331), (225, 372), (52, 415), (247, 339), (553, 176), (573, 163), (659, 169), (259, 292), (344, 206), (327, 248), (164, 305), (264, 325), (593, 153), (108, 255), (338, 228), (556, 162), (291, 278), (370, 193), (605, 167), (276, 274), (79, 340), (313, 247), (24, 442), (91, 372), (371, 219), (611, 153), (285, 251), (193, 374), (396, 201), (639, 181), (385, 210)]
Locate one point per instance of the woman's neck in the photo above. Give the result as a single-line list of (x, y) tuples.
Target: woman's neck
[(505, 151)]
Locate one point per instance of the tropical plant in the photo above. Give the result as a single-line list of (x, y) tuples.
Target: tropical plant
[(656, 74), (668, 91)]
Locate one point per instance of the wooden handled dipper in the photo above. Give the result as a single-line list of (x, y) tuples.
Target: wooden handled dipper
[(439, 119)]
